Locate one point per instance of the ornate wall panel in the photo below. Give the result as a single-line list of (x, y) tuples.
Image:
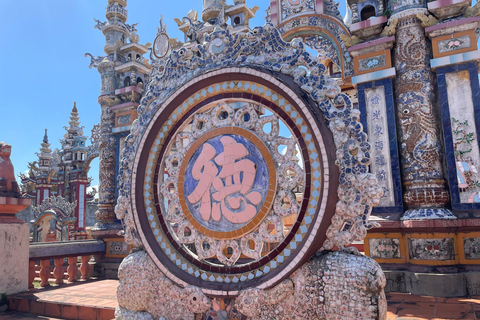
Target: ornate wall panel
[(376, 103), (460, 108)]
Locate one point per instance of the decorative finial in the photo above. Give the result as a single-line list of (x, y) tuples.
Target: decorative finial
[(75, 107), (211, 9), (45, 137)]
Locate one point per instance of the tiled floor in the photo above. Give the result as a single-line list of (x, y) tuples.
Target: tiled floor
[(83, 300), (93, 293), (101, 295)]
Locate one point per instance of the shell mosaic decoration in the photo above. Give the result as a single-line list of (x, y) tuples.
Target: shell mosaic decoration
[(218, 201), (219, 157)]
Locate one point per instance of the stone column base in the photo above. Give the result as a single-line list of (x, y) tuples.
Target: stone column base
[(428, 214), (14, 246)]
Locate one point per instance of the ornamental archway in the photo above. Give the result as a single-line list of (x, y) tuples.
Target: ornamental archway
[(319, 24)]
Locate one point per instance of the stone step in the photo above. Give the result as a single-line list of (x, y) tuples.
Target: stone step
[(59, 310), (13, 315)]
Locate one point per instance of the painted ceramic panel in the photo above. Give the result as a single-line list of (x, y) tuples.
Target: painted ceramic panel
[(454, 44), (384, 248), (379, 139), (464, 133), (124, 120), (372, 63), (471, 247), (431, 249)]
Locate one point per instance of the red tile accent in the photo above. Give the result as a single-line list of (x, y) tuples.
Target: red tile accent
[(52, 309), (69, 311)]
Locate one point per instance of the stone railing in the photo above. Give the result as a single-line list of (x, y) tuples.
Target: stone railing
[(43, 253)]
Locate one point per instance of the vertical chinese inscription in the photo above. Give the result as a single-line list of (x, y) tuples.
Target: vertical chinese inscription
[(379, 139)]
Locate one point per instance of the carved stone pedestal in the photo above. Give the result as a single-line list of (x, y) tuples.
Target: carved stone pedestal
[(14, 234), (330, 285)]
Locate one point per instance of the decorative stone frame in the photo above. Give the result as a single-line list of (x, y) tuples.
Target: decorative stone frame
[(262, 54)]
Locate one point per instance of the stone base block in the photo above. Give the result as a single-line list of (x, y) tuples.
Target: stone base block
[(433, 284), (106, 270), (14, 247), (333, 285)]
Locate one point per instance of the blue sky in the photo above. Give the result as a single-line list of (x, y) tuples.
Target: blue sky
[(44, 69)]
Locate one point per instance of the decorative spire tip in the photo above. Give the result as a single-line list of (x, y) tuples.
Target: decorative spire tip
[(45, 137)]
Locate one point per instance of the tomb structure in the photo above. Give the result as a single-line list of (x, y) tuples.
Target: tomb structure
[(245, 168), (405, 72)]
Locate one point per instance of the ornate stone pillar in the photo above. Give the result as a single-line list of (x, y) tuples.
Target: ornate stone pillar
[(106, 205), (107, 225), (425, 193)]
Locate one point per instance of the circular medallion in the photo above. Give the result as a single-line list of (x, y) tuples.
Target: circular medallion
[(232, 184), (161, 45), (224, 182)]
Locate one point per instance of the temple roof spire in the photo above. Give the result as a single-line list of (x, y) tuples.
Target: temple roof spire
[(45, 137), (45, 149)]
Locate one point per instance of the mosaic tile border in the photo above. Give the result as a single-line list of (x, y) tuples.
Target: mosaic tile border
[(293, 27)]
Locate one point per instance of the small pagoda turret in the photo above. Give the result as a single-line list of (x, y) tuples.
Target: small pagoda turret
[(44, 183), (72, 177)]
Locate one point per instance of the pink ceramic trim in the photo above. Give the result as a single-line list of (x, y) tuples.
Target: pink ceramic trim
[(451, 24), (129, 89), (444, 3), (371, 43), (274, 12), (368, 23), (124, 105), (319, 6)]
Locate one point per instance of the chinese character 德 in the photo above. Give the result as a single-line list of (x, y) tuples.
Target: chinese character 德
[(233, 197)]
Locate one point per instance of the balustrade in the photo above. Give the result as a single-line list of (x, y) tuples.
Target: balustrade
[(72, 251)]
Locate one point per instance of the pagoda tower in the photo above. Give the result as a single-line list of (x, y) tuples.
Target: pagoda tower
[(72, 178), (43, 178), (124, 72)]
